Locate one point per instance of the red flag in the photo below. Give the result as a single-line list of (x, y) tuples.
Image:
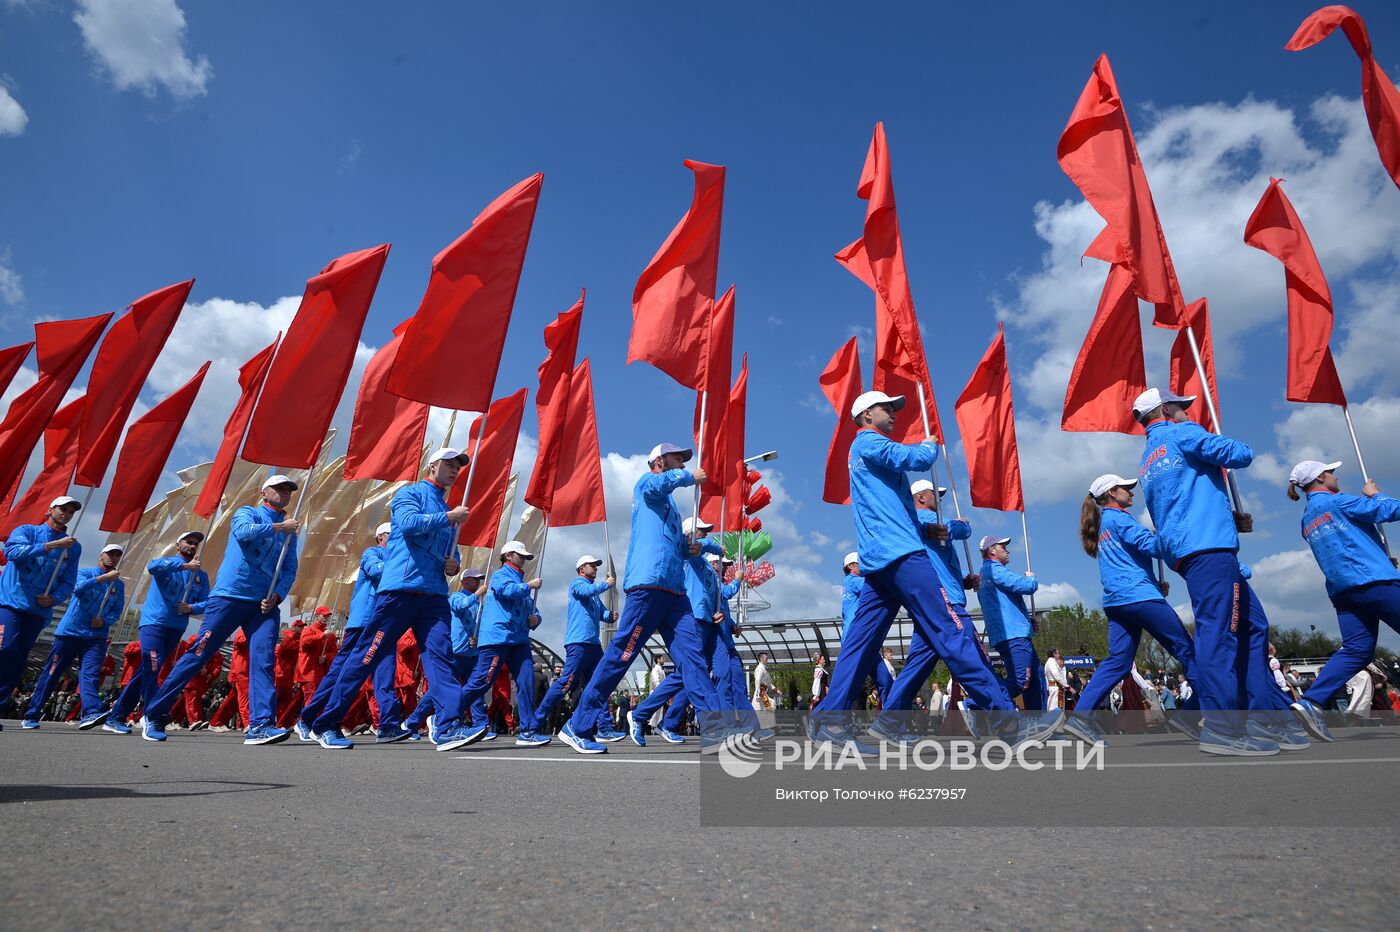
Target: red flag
[(988, 426), (386, 434), (144, 453), (487, 496), (61, 446), (841, 383), (250, 379), (1378, 93), (1185, 379), (734, 417), (120, 369), (578, 492), (310, 370), (10, 361), (552, 404), (719, 366), (1275, 228), (466, 310), (1110, 371), (63, 347), (1098, 153), (672, 300)]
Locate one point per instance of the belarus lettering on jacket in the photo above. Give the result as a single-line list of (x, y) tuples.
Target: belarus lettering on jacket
[(88, 596), (506, 617), (885, 516), (1182, 479), (163, 599), (1341, 530), (657, 549), (419, 539), (28, 567), (1126, 552), (251, 557), (586, 611), (366, 587)]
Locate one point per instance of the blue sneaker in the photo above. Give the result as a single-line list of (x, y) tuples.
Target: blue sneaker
[(415, 736), (1083, 728), (459, 736), (1033, 726), (761, 734), (266, 734), (488, 735), (116, 726), (333, 740), (92, 721), (304, 731), (531, 739), (970, 716), (1288, 737), (670, 737), (1179, 723), (29, 724), (886, 730), (431, 722), (579, 743), (391, 735), (1310, 717), (1243, 746), (607, 735), (151, 731), (635, 730), (840, 739)]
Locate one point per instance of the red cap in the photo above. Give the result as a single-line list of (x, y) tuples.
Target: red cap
[(321, 610)]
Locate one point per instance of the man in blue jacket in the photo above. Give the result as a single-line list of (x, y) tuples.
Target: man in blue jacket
[(851, 584), (179, 590), (656, 601), (420, 557), (898, 573), (258, 536), (98, 597), (507, 619), (727, 666), (1182, 478), (32, 553), (464, 604), (1009, 624), (582, 649)]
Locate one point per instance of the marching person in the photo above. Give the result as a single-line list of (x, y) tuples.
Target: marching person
[(727, 666), (240, 598), (582, 649), (196, 689), (31, 554), (1361, 578), (1182, 479), (851, 584), (1009, 624), (464, 605), (654, 581), (179, 590), (237, 699), (1132, 600), (284, 668), (98, 597), (419, 559), (503, 642), (309, 668)]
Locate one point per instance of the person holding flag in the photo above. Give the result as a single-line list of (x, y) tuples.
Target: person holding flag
[(1361, 578), (465, 607), (582, 649), (98, 597), (41, 569), (258, 535), (1009, 624), (726, 664), (851, 585)]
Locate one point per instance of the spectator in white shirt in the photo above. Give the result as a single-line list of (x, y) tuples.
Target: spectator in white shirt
[(1055, 679), (1183, 690), (1361, 690), (820, 678), (760, 680)]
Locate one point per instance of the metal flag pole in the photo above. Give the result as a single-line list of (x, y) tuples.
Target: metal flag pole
[(700, 463), (1214, 415), (471, 471), (296, 516), (544, 542), (208, 527), (932, 470), (1026, 539), (1365, 475), (957, 508), (69, 532), (112, 585)]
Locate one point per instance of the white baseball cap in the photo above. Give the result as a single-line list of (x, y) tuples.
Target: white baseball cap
[(447, 453), (65, 500), (384, 528), (1109, 481), (715, 558), (851, 557), (870, 399), (276, 479), (661, 449), (1156, 397), (688, 526), (587, 559), (112, 547), (472, 572), (1308, 471), (991, 540), (515, 546)]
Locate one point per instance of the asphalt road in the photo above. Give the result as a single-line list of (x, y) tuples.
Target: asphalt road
[(114, 832)]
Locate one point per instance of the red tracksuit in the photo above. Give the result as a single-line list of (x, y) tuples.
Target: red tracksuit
[(285, 668), (238, 684), (131, 661), (198, 686)]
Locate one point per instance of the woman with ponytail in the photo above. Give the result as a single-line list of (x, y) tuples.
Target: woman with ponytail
[(1132, 600), (1361, 578)]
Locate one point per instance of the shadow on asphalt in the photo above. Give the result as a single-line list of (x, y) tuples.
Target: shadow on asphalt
[(31, 793)]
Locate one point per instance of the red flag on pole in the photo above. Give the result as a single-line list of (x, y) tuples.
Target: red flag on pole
[(466, 309), (61, 446), (144, 453), (11, 359), (1098, 153), (988, 425), (734, 418), (487, 496), (552, 405), (1378, 93), (671, 303), (386, 433), (578, 492), (841, 383), (250, 379), (1185, 379), (63, 347), (719, 368), (128, 352), (1275, 228), (1110, 371), (310, 370)]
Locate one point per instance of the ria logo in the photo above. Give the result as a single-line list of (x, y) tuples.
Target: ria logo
[(740, 756)]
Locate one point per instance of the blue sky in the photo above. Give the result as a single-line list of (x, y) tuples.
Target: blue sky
[(254, 144)]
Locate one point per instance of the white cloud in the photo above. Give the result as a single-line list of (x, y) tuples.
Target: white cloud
[(1319, 432), (11, 284), (13, 119), (1051, 594), (141, 45)]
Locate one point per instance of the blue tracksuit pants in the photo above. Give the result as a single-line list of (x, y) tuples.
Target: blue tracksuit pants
[(462, 665), (689, 642), (1126, 624), (672, 690), (580, 660), (519, 659), (157, 644), (1360, 611), (728, 672), (383, 680), (918, 666), (1025, 677), (65, 650), (221, 618), (18, 632)]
